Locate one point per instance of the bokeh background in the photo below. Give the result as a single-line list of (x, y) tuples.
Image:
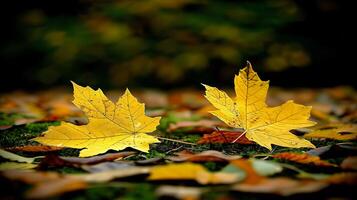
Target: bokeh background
[(171, 44)]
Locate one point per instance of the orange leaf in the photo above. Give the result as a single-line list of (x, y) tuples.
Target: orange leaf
[(343, 178), (303, 159), (252, 176)]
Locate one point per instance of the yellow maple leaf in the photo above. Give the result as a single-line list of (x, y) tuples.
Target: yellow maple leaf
[(191, 171), (248, 110), (111, 126), (335, 131)]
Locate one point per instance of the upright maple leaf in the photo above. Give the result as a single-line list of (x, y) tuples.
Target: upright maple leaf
[(248, 110), (111, 126)]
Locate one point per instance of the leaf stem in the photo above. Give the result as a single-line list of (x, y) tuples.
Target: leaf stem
[(239, 137)]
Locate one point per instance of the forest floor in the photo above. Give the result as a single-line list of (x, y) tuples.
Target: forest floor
[(196, 158)]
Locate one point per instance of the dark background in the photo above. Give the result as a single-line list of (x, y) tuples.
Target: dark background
[(115, 44)]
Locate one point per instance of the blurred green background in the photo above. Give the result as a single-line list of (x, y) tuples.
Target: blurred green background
[(172, 43)]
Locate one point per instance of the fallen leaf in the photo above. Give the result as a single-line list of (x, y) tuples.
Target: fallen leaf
[(179, 192), (319, 151), (281, 186), (205, 156), (201, 123), (55, 188), (106, 176), (224, 137), (100, 158), (248, 110), (107, 166), (336, 150), (186, 98), (15, 157), (16, 166), (265, 167), (350, 163), (53, 160), (234, 170), (33, 148), (150, 161), (31, 177), (184, 171), (45, 184), (191, 171), (343, 178), (4, 127), (303, 159), (252, 177), (23, 121), (334, 131), (111, 126), (55, 183)]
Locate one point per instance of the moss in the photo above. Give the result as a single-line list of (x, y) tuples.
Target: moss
[(99, 192), (123, 191), (165, 146), (232, 149), (69, 152), (68, 170), (193, 138), (154, 154), (140, 191), (21, 135), (214, 166), (324, 142)]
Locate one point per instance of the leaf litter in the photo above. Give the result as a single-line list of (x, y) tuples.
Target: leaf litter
[(199, 154)]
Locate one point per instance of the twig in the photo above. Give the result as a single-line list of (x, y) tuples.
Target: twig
[(173, 149), (271, 152), (178, 141)]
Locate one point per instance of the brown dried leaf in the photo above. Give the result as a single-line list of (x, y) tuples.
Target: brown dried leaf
[(281, 186), (108, 166), (349, 163), (32, 148), (100, 158), (31, 177), (343, 178), (303, 159), (52, 160), (224, 137), (55, 188)]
